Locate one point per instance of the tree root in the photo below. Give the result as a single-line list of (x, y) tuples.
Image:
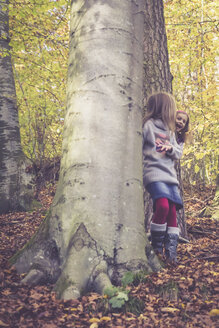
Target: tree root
[(71, 292), (33, 277), (101, 282)]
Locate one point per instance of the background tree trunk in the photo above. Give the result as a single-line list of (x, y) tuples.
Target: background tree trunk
[(213, 210), (215, 205), (95, 230), (16, 187), (157, 77), (181, 213)]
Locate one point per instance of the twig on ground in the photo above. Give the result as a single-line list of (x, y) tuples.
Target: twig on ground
[(194, 230), (198, 200), (209, 258)]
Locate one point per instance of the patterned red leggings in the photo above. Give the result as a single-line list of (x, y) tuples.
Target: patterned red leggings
[(165, 212)]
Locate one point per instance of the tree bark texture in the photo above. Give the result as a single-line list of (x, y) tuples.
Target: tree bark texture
[(95, 230), (157, 75), (16, 188), (157, 78)]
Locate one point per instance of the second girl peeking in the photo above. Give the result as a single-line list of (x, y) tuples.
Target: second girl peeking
[(182, 127)]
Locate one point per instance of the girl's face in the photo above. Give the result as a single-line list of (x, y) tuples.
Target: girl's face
[(181, 119)]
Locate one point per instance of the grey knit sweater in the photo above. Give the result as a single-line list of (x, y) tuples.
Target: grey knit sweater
[(159, 166)]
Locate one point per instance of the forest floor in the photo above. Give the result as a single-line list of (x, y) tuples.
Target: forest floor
[(194, 280)]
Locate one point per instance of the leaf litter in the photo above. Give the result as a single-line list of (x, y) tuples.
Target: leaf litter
[(194, 302)]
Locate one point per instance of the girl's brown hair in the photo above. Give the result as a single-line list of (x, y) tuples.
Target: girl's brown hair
[(161, 106)]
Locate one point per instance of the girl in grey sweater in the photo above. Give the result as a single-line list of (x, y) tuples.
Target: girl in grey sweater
[(160, 149)]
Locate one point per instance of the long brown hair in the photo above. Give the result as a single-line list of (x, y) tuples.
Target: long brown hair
[(161, 106)]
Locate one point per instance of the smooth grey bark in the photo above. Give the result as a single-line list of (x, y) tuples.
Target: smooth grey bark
[(157, 78), (95, 232), (16, 187)]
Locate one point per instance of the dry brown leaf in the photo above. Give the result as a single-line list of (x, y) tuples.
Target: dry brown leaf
[(149, 308), (105, 319), (94, 325), (6, 292), (214, 312), (169, 309)]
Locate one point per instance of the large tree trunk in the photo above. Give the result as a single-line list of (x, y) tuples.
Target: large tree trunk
[(157, 77), (95, 230), (16, 188)]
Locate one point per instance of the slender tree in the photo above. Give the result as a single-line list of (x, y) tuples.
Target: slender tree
[(157, 77), (95, 232), (16, 188)]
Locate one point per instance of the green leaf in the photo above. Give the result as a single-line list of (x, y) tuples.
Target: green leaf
[(123, 295), (197, 169), (199, 155), (117, 302), (110, 292), (128, 278)]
